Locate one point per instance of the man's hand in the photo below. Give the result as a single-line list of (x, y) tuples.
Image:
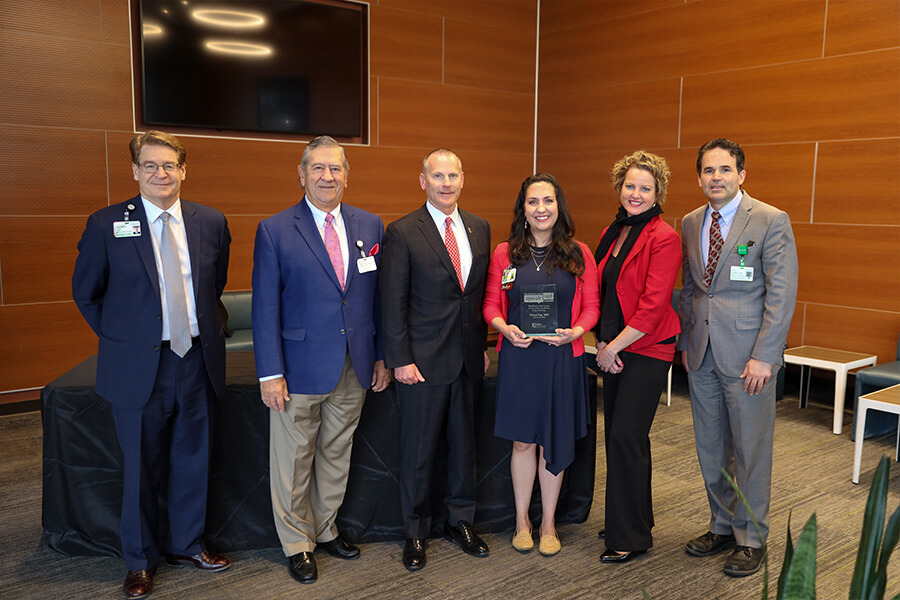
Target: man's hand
[(408, 374), (381, 377), (756, 375), (274, 393), (684, 361), (487, 362)]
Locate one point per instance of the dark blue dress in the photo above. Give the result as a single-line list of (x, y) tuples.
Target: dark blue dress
[(542, 391)]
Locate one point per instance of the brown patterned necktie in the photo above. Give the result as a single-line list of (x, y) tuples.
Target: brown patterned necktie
[(715, 248), (453, 250)]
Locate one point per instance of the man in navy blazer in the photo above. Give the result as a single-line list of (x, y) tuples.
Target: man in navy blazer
[(161, 359), (315, 335)]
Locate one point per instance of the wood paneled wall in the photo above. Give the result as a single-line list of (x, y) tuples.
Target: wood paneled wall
[(458, 74), (809, 88)]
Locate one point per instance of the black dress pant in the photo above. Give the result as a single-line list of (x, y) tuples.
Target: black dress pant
[(630, 399), (430, 414)]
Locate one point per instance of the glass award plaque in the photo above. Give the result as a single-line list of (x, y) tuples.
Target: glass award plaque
[(538, 310)]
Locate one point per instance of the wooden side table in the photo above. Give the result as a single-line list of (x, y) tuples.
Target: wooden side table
[(839, 361), (887, 400)]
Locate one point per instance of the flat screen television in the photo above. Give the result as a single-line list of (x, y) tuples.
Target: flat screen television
[(282, 69)]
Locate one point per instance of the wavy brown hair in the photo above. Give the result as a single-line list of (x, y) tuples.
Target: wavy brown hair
[(563, 252)]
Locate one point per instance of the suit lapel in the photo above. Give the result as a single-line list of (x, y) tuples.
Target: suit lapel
[(194, 234), (640, 242), (351, 229), (306, 226), (143, 243), (741, 219), (691, 227), (430, 232)]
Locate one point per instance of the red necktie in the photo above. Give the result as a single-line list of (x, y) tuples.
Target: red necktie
[(715, 248), (333, 245), (453, 249)]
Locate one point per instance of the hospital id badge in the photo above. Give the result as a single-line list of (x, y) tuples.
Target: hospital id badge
[(509, 275), (742, 273), (366, 264), (126, 229)]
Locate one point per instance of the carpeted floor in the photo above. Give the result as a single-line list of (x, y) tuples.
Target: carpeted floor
[(812, 474)]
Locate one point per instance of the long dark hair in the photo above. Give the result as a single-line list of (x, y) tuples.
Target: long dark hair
[(563, 252)]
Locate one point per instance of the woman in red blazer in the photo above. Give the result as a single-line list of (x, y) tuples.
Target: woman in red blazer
[(542, 394), (638, 260)]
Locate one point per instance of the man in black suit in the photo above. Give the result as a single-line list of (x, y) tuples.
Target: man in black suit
[(432, 284), (148, 278)]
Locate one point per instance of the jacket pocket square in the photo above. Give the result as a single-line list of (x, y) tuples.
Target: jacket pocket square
[(374, 250)]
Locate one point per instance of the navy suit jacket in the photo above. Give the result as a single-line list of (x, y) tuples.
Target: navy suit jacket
[(303, 323), (116, 288)]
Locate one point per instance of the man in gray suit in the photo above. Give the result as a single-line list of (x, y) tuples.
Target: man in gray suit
[(738, 296)]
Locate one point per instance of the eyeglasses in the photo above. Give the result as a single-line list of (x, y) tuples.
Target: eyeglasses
[(150, 168)]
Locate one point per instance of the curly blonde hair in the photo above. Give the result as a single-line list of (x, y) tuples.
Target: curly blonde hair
[(646, 161)]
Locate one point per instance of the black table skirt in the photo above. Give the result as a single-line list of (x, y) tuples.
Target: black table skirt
[(83, 469)]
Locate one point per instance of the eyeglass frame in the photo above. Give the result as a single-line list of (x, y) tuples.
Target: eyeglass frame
[(168, 167)]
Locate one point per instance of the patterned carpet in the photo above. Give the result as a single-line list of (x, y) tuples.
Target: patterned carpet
[(812, 474)]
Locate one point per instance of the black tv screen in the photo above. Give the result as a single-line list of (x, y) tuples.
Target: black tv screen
[(281, 67)]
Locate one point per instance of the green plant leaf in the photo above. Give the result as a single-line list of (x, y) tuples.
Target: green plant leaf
[(891, 535), (788, 556), (800, 581), (864, 580)]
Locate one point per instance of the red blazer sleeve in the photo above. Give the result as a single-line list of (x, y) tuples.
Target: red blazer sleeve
[(586, 306), (496, 302)]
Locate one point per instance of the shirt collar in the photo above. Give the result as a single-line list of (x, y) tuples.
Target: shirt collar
[(440, 217), (319, 214), (727, 212), (153, 211)]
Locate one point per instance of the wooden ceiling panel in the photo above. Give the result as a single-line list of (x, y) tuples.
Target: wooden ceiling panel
[(428, 116), (856, 182), (858, 26), (52, 171), (64, 82), (847, 97), (849, 265), (600, 119), (414, 55)]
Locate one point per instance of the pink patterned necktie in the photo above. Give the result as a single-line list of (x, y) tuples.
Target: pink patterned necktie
[(453, 249), (333, 245), (715, 248)]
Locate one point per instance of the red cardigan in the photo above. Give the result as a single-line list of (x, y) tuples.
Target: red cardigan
[(585, 304), (645, 286)]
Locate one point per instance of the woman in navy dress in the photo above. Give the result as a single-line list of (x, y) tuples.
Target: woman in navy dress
[(542, 394)]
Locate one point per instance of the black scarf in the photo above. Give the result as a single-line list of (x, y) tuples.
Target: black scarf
[(637, 223)]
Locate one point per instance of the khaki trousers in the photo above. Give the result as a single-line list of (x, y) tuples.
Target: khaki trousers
[(309, 460)]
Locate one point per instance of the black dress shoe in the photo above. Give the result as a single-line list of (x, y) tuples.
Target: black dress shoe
[(339, 548), (463, 536), (601, 534), (138, 584), (611, 556), (302, 567), (205, 561), (414, 554), (743, 561), (709, 543)]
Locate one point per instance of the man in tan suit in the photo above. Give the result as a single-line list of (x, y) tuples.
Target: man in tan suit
[(737, 299)]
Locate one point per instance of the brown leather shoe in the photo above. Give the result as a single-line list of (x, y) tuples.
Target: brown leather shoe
[(138, 584), (205, 561)]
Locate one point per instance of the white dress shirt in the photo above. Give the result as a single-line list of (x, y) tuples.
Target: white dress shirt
[(176, 224), (459, 230)]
